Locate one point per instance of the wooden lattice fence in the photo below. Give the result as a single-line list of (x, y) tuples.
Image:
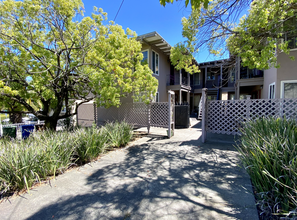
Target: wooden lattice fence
[(226, 117)]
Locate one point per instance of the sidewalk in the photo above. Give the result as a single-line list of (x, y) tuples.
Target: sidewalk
[(153, 178)]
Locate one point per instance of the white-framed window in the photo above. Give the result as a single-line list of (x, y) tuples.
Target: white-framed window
[(145, 59), (156, 98), (289, 89), (155, 63), (271, 91)]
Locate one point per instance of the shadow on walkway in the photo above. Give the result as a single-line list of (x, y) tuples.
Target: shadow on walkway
[(162, 179)]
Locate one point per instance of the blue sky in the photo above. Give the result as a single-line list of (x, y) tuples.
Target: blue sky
[(143, 16)]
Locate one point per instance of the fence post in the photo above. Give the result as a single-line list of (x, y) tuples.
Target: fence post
[(170, 93), (95, 113), (148, 118), (248, 107), (204, 114)]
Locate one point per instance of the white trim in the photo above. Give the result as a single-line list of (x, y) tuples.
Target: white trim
[(272, 84), (283, 86), (148, 56), (155, 63)]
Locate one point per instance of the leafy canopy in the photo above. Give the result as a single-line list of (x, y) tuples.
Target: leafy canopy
[(51, 55), (267, 29), (194, 3), (262, 34)]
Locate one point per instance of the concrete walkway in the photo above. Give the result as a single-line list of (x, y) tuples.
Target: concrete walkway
[(153, 178)]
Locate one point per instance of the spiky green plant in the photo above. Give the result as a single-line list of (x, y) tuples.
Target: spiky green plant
[(47, 153), (268, 148), (24, 162), (90, 143), (119, 133)]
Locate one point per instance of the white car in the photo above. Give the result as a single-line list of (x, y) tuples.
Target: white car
[(5, 121)]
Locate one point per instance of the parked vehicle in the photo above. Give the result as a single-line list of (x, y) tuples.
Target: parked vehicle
[(5, 121)]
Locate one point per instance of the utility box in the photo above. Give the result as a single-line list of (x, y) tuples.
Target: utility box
[(182, 116), (9, 132), (26, 130)]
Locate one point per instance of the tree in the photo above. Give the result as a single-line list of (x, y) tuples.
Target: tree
[(51, 56), (207, 27), (256, 38), (194, 3), (269, 28)]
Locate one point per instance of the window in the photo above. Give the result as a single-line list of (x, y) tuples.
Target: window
[(231, 96), (197, 79), (155, 63), (212, 97), (210, 76), (232, 76), (145, 59), (289, 89), (271, 91), (156, 98)]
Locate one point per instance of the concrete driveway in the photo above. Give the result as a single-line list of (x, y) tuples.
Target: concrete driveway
[(153, 178)]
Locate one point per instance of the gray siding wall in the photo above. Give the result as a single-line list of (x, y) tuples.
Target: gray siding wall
[(164, 73), (270, 76), (287, 70)]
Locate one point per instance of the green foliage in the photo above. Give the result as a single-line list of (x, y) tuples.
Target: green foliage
[(25, 162), (259, 35), (43, 154), (119, 134), (194, 3), (257, 38), (90, 143), (182, 58), (268, 149), (51, 56)]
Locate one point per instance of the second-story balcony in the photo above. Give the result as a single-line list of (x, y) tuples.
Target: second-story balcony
[(175, 83), (184, 81), (246, 73)]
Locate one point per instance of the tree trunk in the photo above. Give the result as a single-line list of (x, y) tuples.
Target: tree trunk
[(15, 118), (51, 123)]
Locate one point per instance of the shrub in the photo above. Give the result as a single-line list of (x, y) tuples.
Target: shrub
[(23, 162), (90, 143), (268, 148), (119, 134), (43, 154)]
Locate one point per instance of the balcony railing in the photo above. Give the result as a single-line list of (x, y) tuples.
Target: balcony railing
[(246, 73), (184, 82)]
